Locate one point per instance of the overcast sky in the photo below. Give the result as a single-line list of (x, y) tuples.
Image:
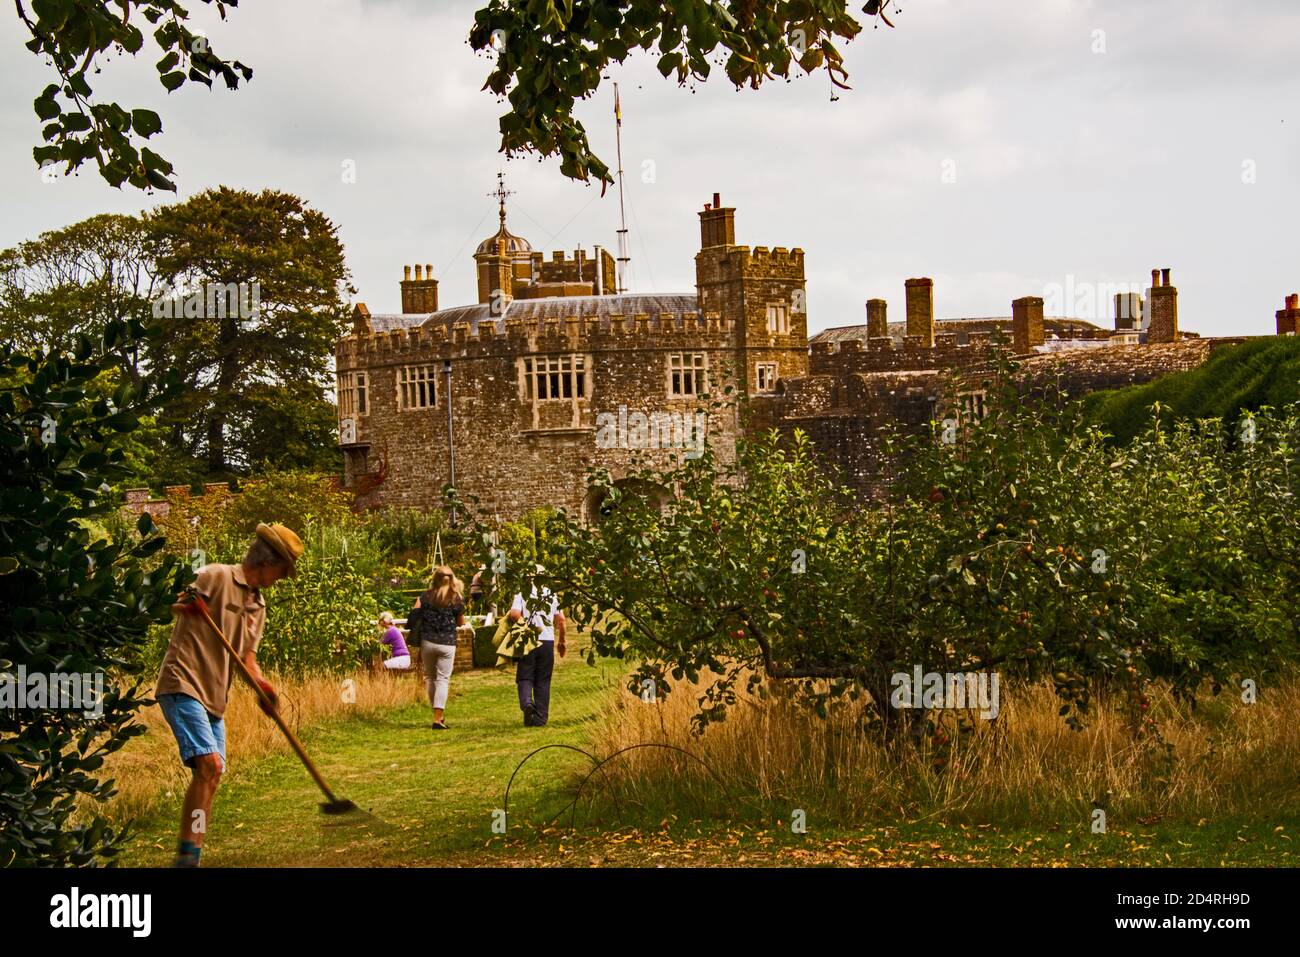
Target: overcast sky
[(1004, 148)]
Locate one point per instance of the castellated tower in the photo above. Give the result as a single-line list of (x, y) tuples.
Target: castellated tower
[(761, 291)]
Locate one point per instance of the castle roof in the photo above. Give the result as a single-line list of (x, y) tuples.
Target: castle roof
[(556, 307), (392, 321), (1058, 325)]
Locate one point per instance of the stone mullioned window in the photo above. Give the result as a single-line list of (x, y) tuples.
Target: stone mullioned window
[(778, 319), (416, 387), (687, 374), (352, 393), (555, 377)]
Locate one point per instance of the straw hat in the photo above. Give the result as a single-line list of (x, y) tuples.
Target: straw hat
[(284, 540)]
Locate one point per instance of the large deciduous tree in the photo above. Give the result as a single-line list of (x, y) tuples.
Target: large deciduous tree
[(77, 280), (258, 298)]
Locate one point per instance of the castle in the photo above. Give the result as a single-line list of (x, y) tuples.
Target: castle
[(556, 370)]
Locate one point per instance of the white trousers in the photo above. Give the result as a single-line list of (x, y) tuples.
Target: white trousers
[(438, 661)]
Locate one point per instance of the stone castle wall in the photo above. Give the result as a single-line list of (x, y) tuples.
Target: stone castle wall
[(512, 451)]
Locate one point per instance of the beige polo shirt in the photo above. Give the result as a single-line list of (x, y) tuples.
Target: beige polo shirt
[(196, 663)]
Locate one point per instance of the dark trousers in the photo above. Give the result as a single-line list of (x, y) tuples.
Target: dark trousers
[(533, 676)]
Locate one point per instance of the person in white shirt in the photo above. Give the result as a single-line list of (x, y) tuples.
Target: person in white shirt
[(533, 673)]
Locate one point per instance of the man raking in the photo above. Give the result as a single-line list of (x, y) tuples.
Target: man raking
[(194, 681)]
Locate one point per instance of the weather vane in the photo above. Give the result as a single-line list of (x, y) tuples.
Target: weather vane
[(501, 193)]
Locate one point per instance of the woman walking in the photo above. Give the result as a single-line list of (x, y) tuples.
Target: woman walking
[(435, 619)]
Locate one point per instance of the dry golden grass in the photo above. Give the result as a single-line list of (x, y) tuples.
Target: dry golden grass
[(1223, 758), (149, 766)]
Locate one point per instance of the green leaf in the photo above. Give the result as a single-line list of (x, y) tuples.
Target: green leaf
[(47, 107), (76, 122), (145, 122)]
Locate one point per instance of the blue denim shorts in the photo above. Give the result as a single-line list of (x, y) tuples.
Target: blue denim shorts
[(197, 732)]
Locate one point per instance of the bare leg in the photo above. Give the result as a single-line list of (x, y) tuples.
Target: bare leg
[(197, 806)]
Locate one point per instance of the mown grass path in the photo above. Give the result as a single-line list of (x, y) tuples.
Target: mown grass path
[(427, 798)]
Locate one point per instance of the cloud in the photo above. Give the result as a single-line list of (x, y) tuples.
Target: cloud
[(992, 146)]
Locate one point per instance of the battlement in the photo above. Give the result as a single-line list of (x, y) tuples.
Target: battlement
[(884, 354), (501, 338), (562, 258), (562, 273), (760, 260)]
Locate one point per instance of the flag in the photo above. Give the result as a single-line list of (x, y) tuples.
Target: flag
[(618, 110)]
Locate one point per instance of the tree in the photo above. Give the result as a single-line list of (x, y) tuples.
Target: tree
[(76, 280), (550, 54), (74, 35), (258, 287), (69, 606), (1029, 546)]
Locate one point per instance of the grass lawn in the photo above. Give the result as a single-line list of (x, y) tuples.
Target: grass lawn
[(428, 798)]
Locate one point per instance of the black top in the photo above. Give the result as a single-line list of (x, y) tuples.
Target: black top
[(432, 624)]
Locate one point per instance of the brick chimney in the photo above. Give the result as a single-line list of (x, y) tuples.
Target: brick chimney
[(717, 224), (920, 311), (877, 323), (1027, 323), (420, 294), (1164, 308), (1288, 318)]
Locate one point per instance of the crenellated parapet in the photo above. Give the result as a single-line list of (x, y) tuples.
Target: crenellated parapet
[(514, 337), (884, 354)]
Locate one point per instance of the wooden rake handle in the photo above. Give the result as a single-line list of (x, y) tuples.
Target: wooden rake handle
[(270, 707)]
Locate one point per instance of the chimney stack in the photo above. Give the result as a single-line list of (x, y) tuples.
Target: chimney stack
[(1164, 309), (717, 225), (1027, 324), (419, 295), (1128, 310), (920, 310), (1288, 318), (877, 321)]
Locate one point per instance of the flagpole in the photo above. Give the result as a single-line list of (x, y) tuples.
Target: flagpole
[(623, 259)]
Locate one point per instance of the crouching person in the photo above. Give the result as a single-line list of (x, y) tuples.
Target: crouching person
[(399, 656), (194, 681)]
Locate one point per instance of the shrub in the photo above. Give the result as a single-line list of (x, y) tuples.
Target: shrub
[(320, 622), (1239, 379), (70, 604)]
